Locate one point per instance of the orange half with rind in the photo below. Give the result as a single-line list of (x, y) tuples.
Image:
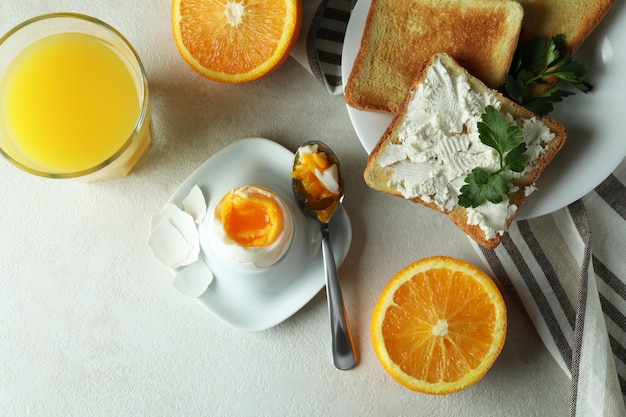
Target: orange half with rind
[(235, 41), (439, 325)]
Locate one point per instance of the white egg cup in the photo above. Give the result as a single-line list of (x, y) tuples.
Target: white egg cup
[(247, 280)]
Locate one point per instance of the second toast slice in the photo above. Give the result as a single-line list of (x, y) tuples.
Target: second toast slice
[(401, 35)]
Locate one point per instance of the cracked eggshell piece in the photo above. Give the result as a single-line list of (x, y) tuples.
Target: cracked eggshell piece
[(168, 246), (195, 204), (174, 238), (194, 279)]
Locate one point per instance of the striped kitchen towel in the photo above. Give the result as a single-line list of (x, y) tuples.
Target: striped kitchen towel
[(324, 42), (567, 271)]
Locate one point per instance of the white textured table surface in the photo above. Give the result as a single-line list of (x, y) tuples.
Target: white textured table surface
[(90, 324)]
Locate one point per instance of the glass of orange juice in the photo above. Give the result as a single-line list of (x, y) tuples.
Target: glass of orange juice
[(73, 99)]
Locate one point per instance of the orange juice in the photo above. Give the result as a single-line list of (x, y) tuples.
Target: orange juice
[(68, 102)]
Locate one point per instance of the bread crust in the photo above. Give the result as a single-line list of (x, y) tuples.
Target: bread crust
[(401, 35), (378, 177)]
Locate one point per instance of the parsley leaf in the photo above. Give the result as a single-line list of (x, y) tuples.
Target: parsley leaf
[(481, 185), (507, 139), (541, 104), (516, 160), (535, 62), (494, 130)]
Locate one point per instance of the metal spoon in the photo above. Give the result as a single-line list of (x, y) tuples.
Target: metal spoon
[(344, 356)]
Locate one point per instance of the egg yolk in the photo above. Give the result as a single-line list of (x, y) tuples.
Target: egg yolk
[(251, 218), (305, 171)]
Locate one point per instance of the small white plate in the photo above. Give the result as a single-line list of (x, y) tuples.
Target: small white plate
[(257, 161), (595, 144)]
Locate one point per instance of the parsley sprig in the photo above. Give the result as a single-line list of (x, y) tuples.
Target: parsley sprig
[(534, 63), (507, 139)]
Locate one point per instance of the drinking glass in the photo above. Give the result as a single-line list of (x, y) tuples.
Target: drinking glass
[(73, 99)]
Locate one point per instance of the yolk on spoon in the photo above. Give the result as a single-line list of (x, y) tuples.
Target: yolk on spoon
[(305, 170)]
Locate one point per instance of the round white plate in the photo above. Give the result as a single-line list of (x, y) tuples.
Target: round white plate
[(595, 144), (257, 161)]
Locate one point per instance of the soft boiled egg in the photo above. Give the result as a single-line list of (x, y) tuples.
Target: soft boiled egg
[(251, 225)]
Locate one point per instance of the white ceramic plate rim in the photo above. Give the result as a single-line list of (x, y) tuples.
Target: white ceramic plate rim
[(257, 161), (595, 144)]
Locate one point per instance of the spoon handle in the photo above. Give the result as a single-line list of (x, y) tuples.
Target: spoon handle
[(344, 355)]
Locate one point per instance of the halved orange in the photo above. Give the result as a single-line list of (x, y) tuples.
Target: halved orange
[(439, 325), (235, 41)]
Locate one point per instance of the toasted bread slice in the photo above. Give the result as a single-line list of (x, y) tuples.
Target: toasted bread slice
[(432, 144), (575, 19), (401, 35)]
